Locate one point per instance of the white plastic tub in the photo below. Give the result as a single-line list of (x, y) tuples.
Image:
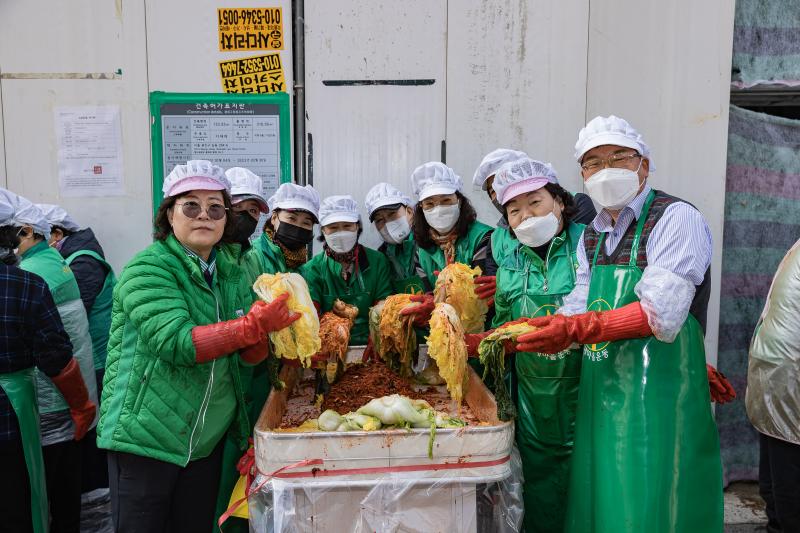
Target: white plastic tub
[(383, 481), (481, 451)]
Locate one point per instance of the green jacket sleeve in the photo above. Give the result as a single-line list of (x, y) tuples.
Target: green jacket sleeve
[(310, 274), (156, 307), (502, 309), (383, 287)]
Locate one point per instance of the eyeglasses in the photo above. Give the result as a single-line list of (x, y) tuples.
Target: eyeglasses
[(193, 210), (614, 161)]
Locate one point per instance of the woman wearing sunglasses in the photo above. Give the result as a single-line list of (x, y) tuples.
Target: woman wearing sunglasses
[(182, 325)]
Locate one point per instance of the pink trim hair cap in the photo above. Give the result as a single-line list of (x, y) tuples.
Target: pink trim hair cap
[(195, 175), (522, 176)]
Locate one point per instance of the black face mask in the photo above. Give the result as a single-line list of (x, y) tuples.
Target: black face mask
[(245, 226), (293, 237)]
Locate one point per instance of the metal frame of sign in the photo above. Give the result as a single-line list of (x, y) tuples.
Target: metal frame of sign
[(158, 98)]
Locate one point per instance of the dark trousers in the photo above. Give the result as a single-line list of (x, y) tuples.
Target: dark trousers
[(94, 473), (15, 489), (151, 496), (779, 483), (62, 466)]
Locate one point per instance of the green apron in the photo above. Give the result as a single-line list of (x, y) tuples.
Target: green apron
[(404, 273), (646, 447), (547, 390), (20, 387), (100, 313)]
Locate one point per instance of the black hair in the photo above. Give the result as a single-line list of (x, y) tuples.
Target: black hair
[(64, 231), (391, 207), (466, 217), (9, 237), (163, 229)]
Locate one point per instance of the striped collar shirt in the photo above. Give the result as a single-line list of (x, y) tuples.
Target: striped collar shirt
[(206, 267), (629, 214)]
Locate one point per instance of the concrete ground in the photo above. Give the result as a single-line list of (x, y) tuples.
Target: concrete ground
[(744, 509)]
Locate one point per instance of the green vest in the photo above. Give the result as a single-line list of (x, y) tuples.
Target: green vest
[(547, 385), (100, 313), (431, 259), (48, 263), (368, 285), (402, 259)]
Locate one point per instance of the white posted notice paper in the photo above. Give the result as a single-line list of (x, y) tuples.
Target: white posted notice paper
[(89, 151)]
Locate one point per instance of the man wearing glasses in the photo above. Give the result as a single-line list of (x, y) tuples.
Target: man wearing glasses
[(646, 446)]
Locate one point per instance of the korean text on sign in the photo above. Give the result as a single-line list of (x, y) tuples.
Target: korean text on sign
[(257, 74), (244, 28)]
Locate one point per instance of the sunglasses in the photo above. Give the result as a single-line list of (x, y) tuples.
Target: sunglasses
[(193, 210)]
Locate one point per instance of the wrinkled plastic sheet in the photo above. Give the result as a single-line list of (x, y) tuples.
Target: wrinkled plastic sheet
[(395, 502)]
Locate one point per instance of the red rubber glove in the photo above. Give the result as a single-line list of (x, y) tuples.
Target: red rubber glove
[(421, 312), (721, 389), (558, 332), (473, 340), (216, 340), (485, 287), (369, 352), (72, 387), (256, 353)]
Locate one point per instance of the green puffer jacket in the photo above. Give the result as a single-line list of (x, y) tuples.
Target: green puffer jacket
[(265, 257), (432, 259), (157, 401)]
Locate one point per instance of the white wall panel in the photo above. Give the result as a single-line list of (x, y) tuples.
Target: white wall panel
[(366, 134), (516, 78), (665, 67), (183, 46), (122, 223), (79, 36)]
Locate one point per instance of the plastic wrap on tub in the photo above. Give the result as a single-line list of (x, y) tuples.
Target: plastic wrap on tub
[(396, 502)]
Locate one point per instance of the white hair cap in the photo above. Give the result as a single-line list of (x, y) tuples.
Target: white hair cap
[(491, 163), (522, 176), (292, 196), (434, 178), (383, 195), (611, 130), (23, 213), (339, 208), (195, 175), (245, 185), (58, 216)]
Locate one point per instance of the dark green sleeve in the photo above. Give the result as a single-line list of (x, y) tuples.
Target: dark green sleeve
[(310, 273), (502, 307), (383, 277)]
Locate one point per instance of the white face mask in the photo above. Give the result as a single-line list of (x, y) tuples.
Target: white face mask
[(536, 231), (395, 231), (613, 188), (342, 241), (442, 218)]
